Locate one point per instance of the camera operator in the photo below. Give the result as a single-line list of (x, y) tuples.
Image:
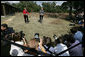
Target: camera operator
[(15, 50), (76, 51), (6, 32), (60, 47)]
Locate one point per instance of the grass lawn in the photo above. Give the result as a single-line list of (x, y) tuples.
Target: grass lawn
[(49, 27), (3, 18)]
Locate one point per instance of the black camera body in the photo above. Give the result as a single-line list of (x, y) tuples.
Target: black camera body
[(36, 35), (21, 34), (55, 37)]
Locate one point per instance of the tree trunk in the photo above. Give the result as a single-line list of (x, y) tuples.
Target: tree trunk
[(4, 10), (70, 10)]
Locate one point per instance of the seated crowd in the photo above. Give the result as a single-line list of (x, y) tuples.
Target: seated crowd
[(43, 44)]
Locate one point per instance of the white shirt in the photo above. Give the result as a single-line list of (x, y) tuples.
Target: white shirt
[(78, 36), (61, 47), (15, 50)]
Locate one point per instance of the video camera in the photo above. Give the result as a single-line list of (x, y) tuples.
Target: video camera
[(36, 35), (55, 37), (21, 34)]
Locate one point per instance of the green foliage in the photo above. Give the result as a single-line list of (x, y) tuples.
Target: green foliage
[(50, 6), (53, 8), (74, 4), (77, 5), (30, 5)]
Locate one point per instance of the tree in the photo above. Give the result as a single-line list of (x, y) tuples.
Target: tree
[(77, 5), (70, 9), (30, 5), (49, 6)]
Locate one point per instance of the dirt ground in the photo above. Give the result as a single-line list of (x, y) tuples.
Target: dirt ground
[(49, 26)]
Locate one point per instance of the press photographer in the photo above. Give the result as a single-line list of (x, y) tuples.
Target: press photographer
[(6, 33), (18, 38)]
